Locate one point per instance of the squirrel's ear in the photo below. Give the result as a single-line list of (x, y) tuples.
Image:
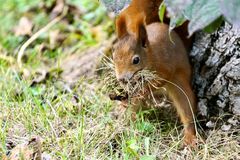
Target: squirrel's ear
[(121, 27), (142, 35)]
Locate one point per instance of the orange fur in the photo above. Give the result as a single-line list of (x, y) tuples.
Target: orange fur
[(147, 12), (170, 61), (137, 10)]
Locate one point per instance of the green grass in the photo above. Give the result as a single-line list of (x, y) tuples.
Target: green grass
[(82, 127), (86, 129)]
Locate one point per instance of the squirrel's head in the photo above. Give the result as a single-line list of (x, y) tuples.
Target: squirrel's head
[(130, 51)]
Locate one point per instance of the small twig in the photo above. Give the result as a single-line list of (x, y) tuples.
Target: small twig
[(37, 34)]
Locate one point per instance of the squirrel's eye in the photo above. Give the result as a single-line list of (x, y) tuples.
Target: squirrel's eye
[(136, 60)]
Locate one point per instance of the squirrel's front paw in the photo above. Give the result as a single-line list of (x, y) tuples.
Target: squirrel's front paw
[(191, 141)]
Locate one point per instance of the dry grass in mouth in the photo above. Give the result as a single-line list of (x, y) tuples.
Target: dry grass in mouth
[(140, 85), (142, 80), (143, 83)]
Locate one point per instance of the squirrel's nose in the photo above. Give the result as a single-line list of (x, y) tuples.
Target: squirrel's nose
[(124, 78)]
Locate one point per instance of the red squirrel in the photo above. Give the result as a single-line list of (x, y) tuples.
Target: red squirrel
[(148, 10), (150, 48)]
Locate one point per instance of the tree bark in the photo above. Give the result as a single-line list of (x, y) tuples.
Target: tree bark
[(216, 64)]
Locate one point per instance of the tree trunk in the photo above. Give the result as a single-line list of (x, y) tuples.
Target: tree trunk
[(216, 62)]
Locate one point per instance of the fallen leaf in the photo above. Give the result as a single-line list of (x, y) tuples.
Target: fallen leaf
[(24, 27), (28, 150), (57, 9)]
